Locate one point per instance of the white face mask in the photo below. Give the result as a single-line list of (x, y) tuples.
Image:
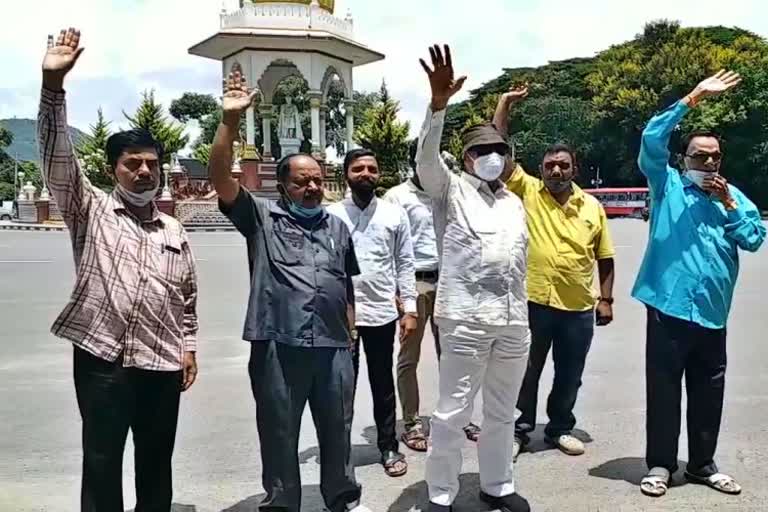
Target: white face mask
[(489, 167), (137, 198), (698, 177)]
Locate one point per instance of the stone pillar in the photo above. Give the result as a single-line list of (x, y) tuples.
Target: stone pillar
[(349, 107), (166, 205), (43, 211), (266, 126), (323, 126), (250, 133), (314, 104)]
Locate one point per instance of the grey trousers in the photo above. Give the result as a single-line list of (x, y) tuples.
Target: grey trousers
[(283, 380)]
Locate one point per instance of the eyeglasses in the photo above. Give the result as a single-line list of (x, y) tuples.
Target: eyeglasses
[(703, 157), (479, 151), (134, 164), (550, 166)]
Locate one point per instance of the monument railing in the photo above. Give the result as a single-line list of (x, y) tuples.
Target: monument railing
[(286, 16)]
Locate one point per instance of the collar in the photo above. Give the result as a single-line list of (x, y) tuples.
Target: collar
[(119, 205), (370, 208), (478, 183), (276, 208), (577, 197), (687, 182), (413, 188)]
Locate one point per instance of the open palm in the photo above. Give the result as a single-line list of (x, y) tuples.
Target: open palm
[(237, 97), (718, 84), (442, 80), (61, 57)]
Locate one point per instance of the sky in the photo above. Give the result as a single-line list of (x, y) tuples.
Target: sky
[(135, 45)]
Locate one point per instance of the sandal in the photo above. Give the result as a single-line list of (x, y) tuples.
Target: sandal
[(656, 483), (415, 439), (472, 432), (718, 482), (389, 460)]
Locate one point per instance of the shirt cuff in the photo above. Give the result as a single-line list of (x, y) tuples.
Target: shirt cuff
[(437, 117), (52, 98), (409, 307), (190, 343), (735, 216)]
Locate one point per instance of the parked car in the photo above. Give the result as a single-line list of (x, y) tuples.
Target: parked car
[(6, 212)]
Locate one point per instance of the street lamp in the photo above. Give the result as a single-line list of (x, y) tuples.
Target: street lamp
[(20, 195), (597, 181), (166, 195)]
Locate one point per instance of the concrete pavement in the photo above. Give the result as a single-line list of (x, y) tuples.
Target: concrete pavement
[(217, 466)]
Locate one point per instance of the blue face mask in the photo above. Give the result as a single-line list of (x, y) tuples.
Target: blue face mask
[(302, 212)]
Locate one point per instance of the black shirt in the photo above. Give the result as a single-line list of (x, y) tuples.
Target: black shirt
[(300, 274)]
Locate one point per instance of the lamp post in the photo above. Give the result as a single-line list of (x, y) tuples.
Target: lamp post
[(166, 195), (597, 181), (20, 175)]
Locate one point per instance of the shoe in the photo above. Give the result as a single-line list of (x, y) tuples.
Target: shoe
[(434, 507), (509, 503), (567, 444), (517, 447), (359, 508)]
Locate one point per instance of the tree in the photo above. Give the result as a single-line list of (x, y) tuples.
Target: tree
[(193, 106), (151, 116), (92, 150), (383, 134)]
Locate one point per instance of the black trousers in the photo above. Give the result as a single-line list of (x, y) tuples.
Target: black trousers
[(283, 379), (569, 335), (379, 343), (675, 348), (113, 399)]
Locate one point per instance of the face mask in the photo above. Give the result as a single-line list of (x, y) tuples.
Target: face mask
[(558, 186), (302, 212), (698, 177), (137, 198), (489, 167)]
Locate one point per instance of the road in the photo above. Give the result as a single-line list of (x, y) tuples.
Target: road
[(217, 465)]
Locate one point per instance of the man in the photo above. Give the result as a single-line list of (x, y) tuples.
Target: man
[(382, 238), (698, 224), (568, 234), (417, 204), (132, 316), (481, 301), (300, 311)]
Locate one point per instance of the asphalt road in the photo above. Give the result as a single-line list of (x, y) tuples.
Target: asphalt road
[(217, 465)]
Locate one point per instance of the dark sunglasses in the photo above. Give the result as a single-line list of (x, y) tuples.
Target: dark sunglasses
[(487, 150), (564, 166), (134, 164), (703, 157)]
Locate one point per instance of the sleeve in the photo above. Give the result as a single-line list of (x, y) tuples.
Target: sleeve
[(189, 290), (744, 224), (70, 188), (434, 175), (520, 183), (604, 248), (243, 213), (654, 147), (405, 266)]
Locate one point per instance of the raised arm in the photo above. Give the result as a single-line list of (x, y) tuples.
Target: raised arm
[(63, 176), (434, 175), (516, 94), (654, 149), (237, 98)]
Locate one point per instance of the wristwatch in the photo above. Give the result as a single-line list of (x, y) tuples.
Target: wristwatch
[(607, 300), (353, 334)]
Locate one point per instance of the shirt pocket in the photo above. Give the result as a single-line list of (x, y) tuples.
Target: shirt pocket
[(287, 245), (169, 260)]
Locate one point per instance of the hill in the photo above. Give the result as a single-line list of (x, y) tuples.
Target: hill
[(25, 138)]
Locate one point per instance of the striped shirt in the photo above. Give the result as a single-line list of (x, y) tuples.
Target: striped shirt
[(135, 289)]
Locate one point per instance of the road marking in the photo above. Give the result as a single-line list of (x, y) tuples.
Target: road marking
[(26, 261)]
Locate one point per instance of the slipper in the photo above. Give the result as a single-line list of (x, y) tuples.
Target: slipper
[(389, 459), (472, 432), (718, 482), (415, 439), (656, 483)]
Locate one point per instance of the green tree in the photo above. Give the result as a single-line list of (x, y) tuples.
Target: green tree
[(92, 151), (202, 152), (151, 116), (193, 106), (382, 133)]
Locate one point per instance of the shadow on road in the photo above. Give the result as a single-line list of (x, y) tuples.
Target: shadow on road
[(311, 500), (415, 497), (538, 444), (628, 469)]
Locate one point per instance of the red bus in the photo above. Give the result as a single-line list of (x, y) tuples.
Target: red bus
[(621, 202)]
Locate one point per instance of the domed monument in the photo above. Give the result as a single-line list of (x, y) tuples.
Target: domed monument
[(272, 41)]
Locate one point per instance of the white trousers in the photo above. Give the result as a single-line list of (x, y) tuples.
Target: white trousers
[(475, 355)]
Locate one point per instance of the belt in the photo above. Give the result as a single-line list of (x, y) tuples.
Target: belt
[(431, 274)]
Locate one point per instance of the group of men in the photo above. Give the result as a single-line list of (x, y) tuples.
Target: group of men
[(500, 263)]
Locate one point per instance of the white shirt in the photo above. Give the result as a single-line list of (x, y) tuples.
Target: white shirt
[(482, 239), (382, 238), (418, 206)]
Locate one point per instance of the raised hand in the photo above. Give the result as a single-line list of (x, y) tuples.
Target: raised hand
[(516, 94), (441, 77), (61, 57), (236, 97), (715, 85)]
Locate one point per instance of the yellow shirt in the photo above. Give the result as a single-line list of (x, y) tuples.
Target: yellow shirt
[(565, 241)]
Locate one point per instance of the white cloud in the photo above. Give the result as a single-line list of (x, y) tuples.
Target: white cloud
[(133, 45)]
